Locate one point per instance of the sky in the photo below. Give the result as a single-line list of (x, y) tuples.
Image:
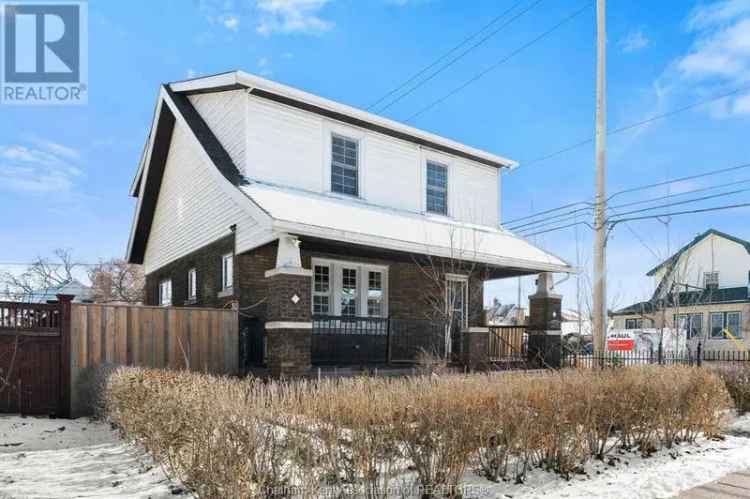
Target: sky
[(65, 170)]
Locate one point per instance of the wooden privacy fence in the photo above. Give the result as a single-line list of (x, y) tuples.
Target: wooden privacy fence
[(507, 342), (200, 339)]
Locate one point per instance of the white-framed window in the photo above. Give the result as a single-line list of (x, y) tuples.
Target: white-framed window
[(165, 292), (192, 287), (711, 280), (321, 301), (227, 271), (436, 183), (350, 289), (344, 165), (692, 324), (724, 324)]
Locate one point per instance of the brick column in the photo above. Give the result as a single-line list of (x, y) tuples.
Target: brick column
[(288, 313), (545, 337), (475, 347)]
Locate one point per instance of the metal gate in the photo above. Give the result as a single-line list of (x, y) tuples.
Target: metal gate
[(34, 377)]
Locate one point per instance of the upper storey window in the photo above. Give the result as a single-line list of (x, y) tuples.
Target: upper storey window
[(344, 165), (437, 188)]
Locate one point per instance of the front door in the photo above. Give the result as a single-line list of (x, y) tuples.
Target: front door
[(456, 299)]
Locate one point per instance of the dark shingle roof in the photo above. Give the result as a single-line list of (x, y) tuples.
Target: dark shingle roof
[(687, 298)]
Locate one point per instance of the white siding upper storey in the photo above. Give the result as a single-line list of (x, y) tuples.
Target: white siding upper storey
[(727, 260), (281, 145)]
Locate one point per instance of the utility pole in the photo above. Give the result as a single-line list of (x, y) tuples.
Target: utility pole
[(600, 212)]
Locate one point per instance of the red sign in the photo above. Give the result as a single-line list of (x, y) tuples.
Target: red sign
[(620, 344)]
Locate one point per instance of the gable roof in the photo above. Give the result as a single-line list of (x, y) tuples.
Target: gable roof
[(170, 107), (674, 258), (283, 94)]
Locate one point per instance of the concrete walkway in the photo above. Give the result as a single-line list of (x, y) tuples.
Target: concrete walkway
[(729, 487)]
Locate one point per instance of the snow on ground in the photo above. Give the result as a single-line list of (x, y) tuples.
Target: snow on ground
[(665, 474), (62, 458)]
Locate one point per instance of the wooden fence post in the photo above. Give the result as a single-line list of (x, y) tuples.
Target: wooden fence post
[(65, 333)]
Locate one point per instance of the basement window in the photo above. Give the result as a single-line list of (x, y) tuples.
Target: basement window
[(227, 271), (165, 292), (192, 284)]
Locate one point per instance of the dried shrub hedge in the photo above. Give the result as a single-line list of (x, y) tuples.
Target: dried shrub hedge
[(365, 437), (737, 380)]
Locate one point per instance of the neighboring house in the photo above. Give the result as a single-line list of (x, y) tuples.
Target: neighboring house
[(702, 290), (292, 205), (498, 314), (573, 323), (81, 292)]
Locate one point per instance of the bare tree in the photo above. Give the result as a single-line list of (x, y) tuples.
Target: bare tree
[(39, 278), (450, 281), (117, 280)]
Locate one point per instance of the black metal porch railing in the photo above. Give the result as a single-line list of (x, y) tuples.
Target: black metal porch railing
[(339, 340)]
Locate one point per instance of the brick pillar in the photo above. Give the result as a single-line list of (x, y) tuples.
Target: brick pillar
[(288, 313), (475, 347), (545, 337)]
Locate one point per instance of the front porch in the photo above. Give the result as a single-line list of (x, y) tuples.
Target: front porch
[(335, 305)]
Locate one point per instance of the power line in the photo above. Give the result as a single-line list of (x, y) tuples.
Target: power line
[(497, 64), (634, 189), (538, 224), (612, 222), (638, 124), (445, 55), (461, 55)]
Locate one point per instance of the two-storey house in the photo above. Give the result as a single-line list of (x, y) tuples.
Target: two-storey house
[(703, 291), (318, 219)]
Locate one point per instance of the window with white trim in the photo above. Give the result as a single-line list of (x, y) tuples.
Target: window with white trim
[(349, 289), (692, 324), (633, 323), (165, 292), (711, 280), (321, 290), (344, 165), (374, 293), (192, 284), (227, 271), (437, 188), (725, 325)]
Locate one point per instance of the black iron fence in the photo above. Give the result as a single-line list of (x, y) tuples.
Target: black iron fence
[(697, 356), (339, 340)]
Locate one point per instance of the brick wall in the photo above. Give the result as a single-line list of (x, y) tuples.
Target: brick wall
[(410, 291), (207, 262)]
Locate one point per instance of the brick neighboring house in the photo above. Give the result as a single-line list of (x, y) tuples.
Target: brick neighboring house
[(318, 219), (703, 290)]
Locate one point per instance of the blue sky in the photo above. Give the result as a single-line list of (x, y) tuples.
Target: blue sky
[(65, 171)]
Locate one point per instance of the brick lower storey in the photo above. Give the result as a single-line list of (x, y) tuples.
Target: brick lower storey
[(411, 292)]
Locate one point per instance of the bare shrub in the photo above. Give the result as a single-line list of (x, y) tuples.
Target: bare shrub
[(225, 437), (431, 362), (737, 381)]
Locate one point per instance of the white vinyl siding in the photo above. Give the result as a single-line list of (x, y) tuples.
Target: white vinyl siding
[(224, 113), (293, 148), (192, 209)]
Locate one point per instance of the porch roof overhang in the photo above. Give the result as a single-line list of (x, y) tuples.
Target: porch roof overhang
[(353, 221)]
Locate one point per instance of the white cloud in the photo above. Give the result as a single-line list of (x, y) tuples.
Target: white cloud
[(231, 22), (191, 73), (717, 61), (634, 41), (44, 169), (291, 16)]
